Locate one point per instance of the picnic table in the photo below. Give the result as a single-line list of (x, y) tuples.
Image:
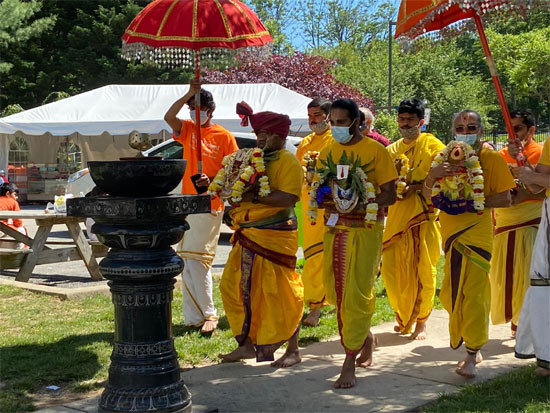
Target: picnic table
[(39, 251)]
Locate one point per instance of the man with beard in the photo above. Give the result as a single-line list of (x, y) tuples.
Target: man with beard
[(412, 240), (515, 230), (318, 111), (262, 293)]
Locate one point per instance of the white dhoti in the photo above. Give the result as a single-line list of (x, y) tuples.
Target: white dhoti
[(533, 335), (198, 249)]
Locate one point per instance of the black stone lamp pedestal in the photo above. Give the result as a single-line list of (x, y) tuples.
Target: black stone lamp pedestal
[(141, 265)]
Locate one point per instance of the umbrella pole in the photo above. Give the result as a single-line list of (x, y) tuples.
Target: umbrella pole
[(198, 113), (496, 81)]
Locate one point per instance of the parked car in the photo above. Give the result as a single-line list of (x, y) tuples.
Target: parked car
[(80, 183)]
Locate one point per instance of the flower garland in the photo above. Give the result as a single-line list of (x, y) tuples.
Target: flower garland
[(401, 184), (239, 170), (328, 174), (446, 191), (309, 163)]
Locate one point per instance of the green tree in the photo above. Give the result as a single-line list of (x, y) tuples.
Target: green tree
[(523, 61), (277, 16)]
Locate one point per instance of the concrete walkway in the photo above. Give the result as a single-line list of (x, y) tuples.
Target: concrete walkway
[(405, 375)]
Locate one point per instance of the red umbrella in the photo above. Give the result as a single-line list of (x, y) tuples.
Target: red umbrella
[(171, 32), (417, 17)]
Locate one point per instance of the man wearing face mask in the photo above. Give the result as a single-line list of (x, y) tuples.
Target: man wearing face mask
[(199, 244), (515, 231), (351, 245), (262, 293), (411, 243), (318, 111), (468, 242)]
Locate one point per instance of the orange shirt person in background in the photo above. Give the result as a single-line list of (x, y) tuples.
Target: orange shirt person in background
[(199, 244), (8, 202)]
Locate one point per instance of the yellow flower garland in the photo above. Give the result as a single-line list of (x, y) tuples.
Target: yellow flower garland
[(401, 184), (250, 162)]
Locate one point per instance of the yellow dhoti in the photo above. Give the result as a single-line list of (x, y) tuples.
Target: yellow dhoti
[(412, 240), (409, 270), (352, 257), (312, 273), (262, 293), (515, 233)]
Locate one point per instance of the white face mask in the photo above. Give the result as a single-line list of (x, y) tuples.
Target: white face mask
[(320, 127), (341, 134), (470, 139), (204, 116)]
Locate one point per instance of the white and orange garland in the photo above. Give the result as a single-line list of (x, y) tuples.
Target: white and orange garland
[(237, 172), (401, 184), (474, 178)]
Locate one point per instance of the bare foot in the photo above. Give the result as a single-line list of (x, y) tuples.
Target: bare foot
[(479, 359), (420, 331), (542, 372), (290, 358), (313, 318), (347, 375), (209, 326), (246, 351), (365, 358), (468, 367)]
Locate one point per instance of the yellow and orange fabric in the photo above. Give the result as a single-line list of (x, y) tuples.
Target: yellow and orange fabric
[(262, 293)]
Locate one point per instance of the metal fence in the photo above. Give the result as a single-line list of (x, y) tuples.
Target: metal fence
[(500, 138)]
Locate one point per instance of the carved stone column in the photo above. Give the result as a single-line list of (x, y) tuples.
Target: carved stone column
[(141, 265)]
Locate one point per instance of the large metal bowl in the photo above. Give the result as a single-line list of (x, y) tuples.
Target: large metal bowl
[(137, 177)]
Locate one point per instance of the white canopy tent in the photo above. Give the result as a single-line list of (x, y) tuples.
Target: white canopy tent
[(100, 120)]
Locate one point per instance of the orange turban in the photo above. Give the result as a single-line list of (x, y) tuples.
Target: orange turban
[(267, 121)]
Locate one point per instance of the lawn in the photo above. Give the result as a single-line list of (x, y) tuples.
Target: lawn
[(48, 341)]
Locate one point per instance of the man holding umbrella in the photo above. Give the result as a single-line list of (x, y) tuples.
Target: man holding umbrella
[(198, 247)]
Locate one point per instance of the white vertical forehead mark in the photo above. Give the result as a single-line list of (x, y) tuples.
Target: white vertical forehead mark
[(464, 117)]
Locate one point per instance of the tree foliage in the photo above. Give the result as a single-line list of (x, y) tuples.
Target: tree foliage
[(302, 73)]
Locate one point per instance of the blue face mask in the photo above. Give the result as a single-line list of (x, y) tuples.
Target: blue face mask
[(341, 134), (470, 139)]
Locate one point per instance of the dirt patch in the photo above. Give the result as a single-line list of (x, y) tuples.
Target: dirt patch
[(63, 395)]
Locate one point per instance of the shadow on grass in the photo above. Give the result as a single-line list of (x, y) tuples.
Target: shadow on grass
[(28, 368)]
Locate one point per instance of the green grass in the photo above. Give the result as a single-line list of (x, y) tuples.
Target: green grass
[(517, 391)]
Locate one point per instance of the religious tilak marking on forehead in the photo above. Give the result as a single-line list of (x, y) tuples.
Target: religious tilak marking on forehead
[(464, 117)]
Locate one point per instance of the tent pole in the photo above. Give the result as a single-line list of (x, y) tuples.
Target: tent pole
[(520, 158)]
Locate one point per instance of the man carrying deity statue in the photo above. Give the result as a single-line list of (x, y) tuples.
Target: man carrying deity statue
[(412, 241), (318, 111), (465, 182), (199, 244), (533, 335), (515, 230), (354, 181), (262, 293)]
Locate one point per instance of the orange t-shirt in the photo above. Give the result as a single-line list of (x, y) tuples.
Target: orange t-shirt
[(9, 204), (532, 152), (216, 143)]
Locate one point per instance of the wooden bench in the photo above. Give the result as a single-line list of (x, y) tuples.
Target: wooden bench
[(11, 258)]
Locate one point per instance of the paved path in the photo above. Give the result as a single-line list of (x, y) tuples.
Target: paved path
[(406, 374)]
